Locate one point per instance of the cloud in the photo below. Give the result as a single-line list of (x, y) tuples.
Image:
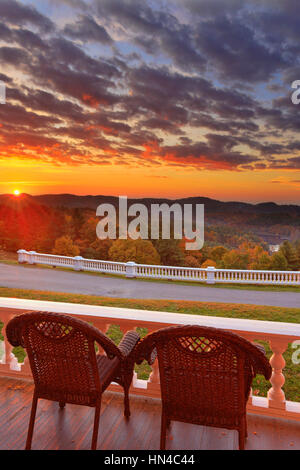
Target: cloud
[(196, 84), (86, 29), (16, 13), (154, 30)]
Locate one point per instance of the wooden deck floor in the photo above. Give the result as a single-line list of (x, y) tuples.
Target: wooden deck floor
[(71, 428)]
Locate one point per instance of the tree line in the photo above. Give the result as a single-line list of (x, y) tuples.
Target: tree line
[(72, 232)]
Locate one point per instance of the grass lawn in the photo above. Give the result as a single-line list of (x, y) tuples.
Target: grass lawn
[(253, 312)]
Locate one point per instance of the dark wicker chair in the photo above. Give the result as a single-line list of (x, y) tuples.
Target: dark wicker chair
[(205, 375), (64, 363)]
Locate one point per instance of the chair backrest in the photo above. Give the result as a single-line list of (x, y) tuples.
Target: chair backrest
[(203, 371), (62, 355)]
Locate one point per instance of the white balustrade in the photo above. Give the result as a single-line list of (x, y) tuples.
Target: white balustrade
[(209, 275)]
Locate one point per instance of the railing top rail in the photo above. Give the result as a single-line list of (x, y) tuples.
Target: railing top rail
[(234, 324), (50, 255), (71, 258), (160, 266), (105, 261), (168, 267), (254, 271)]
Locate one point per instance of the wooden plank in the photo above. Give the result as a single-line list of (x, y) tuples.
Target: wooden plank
[(71, 428)]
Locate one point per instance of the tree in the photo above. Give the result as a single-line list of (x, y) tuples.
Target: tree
[(209, 262), (170, 252), (140, 251), (263, 262), (78, 220), (191, 261), (217, 253), (65, 246), (69, 226), (290, 253), (259, 258), (98, 249), (234, 259), (88, 230), (297, 247), (279, 262)]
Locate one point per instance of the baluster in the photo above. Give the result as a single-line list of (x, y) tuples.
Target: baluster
[(153, 386), (250, 399), (154, 382), (251, 338), (276, 395), (9, 361)]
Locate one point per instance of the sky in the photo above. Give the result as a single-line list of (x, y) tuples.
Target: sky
[(161, 98)]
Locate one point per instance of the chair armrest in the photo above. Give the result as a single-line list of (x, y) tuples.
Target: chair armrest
[(260, 362), (260, 347), (110, 348), (146, 351), (128, 342)]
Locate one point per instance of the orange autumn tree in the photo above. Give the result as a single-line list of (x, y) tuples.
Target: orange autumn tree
[(139, 251), (65, 246)]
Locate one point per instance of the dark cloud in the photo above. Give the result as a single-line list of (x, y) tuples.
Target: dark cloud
[(5, 78), (154, 30), (234, 47), (86, 29), (12, 55), (17, 13), (215, 155)]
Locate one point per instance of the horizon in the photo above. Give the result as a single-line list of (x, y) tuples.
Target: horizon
[(19, 196), (151, 99)]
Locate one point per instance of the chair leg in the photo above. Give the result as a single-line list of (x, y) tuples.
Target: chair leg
[(163, 432), (96, 425), (242, 438), (126, 402), (62, 404), (31, 422)]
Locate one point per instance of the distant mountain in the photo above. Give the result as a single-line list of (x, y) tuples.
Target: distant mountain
[(270, 221), (211, 205)]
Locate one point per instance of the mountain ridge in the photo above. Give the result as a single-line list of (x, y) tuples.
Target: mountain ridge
[(69, 200)]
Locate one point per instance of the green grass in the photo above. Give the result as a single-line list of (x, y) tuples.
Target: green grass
[(228, 310), (256, 287), (216, 309)]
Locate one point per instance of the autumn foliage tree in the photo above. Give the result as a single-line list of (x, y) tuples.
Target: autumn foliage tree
[(290, 253), (217, 253), (140, 251), (209, 263), (279, 262), (235, 259), (65, 246)]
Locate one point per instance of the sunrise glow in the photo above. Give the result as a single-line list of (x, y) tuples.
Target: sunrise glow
[(92, 107)]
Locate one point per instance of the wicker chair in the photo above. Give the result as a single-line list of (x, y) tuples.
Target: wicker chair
[(64, 363), (205, 376)]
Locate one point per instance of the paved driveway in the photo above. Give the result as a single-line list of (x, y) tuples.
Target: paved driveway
[(55, 280)]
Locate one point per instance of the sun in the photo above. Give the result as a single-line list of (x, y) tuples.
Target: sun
[(16, 192)]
